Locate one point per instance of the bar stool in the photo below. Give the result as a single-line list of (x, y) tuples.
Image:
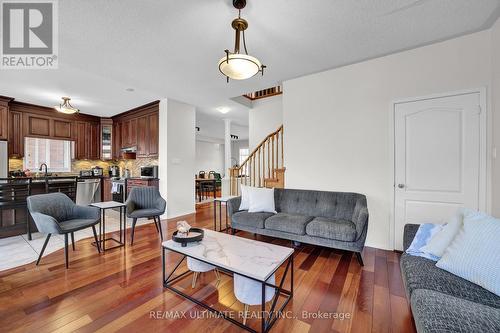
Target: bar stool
[(13, 194)]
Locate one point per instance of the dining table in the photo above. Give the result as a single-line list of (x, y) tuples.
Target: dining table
[(202, 181)]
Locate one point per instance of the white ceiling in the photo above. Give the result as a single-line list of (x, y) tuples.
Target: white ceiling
[(170, 48)]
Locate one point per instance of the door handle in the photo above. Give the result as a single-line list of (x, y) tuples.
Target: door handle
[(401, 185)]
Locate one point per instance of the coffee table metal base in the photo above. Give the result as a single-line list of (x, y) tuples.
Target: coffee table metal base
[(268, 318)]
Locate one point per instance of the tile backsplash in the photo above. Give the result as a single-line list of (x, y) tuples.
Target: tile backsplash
[(78, 165)]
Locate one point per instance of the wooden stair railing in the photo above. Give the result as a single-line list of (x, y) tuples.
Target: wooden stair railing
[(263, 167)]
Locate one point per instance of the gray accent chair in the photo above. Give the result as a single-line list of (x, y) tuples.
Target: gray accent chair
[(145, 202), (443, 302), (332, 219), (56, 213)]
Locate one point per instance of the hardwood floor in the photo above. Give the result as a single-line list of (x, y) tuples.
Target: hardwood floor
[(122, 291)]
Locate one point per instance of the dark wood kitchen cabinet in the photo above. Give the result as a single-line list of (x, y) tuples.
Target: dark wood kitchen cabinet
[(16, 138), (93, 141), (117, 140), (137, 128), (62, 129), (87, 140), (36, 125), (153, 132), (142, 136), (4, 123)]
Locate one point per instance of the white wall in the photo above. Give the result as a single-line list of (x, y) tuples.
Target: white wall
[(264, 117), (495, 38), (337, 123), (177, 156), (209, 156), (235, 149)]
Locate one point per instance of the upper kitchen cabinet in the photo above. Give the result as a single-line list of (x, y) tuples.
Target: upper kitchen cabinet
[(87, 140), (153, 122), (16, 138), (4, 116), (117, 140), (138, 128)]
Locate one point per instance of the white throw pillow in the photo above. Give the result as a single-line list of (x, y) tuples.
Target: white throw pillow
[(245, 197), (475, 253), (262, 200), (442, 239)]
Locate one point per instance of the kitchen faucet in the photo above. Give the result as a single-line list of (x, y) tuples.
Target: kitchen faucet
[(41, 168)]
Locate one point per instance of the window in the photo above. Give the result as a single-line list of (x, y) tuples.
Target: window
[(55, 153), (243, 155)]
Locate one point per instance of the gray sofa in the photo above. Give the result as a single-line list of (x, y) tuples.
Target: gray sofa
[(443, 302), (332, 219)]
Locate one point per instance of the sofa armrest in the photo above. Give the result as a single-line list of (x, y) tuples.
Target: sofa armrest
[(233, 205), (360, 216), (409, 233)]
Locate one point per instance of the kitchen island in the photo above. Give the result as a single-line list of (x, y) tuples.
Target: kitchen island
[(14, 221)]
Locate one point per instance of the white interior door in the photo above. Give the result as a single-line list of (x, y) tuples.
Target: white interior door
[(437, 159)]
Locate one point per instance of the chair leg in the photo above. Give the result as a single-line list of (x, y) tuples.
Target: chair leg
[(96, 240), (66, 255), (73, 240), (43, 248), (195, 277), (159, 227), (156, 224), (134, 221), (245, 311), (360, 258)]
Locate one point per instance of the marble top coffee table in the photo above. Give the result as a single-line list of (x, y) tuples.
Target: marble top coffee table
[(236, 255)]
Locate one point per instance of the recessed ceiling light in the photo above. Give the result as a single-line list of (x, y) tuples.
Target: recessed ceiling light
[(130, 89), (223, 109)]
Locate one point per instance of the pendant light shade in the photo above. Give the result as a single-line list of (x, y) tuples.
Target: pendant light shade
[(66, 107), (239, 66), (236, 65)]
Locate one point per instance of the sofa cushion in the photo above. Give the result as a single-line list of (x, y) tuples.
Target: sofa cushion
[(438, 312), (422, 273), (336, 229), (291, 223), (254, 220)]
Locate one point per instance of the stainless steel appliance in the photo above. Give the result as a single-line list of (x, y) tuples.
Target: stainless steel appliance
[(88, 191), (149, 172), (114, 171), (97, 171)]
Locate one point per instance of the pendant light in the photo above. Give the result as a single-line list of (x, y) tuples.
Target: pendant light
[(66, 107), (236, 65)]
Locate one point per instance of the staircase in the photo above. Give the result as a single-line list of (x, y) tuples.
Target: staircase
[(263, 167)]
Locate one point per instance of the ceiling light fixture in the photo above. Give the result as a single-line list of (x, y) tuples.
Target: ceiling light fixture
[(223, 109), (236, 65), (66, 107)]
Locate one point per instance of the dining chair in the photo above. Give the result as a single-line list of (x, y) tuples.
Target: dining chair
[(56, 213), (201, 174), (145, 202)]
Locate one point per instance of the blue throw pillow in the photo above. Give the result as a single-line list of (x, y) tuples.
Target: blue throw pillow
[(423, 236)]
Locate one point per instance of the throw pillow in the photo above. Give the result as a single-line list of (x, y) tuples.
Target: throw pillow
[(262, 200), (424, 234), (474, 254), (441, 240), (245, 197)]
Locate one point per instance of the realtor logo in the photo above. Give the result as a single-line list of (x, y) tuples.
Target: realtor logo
[(29, 34)]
